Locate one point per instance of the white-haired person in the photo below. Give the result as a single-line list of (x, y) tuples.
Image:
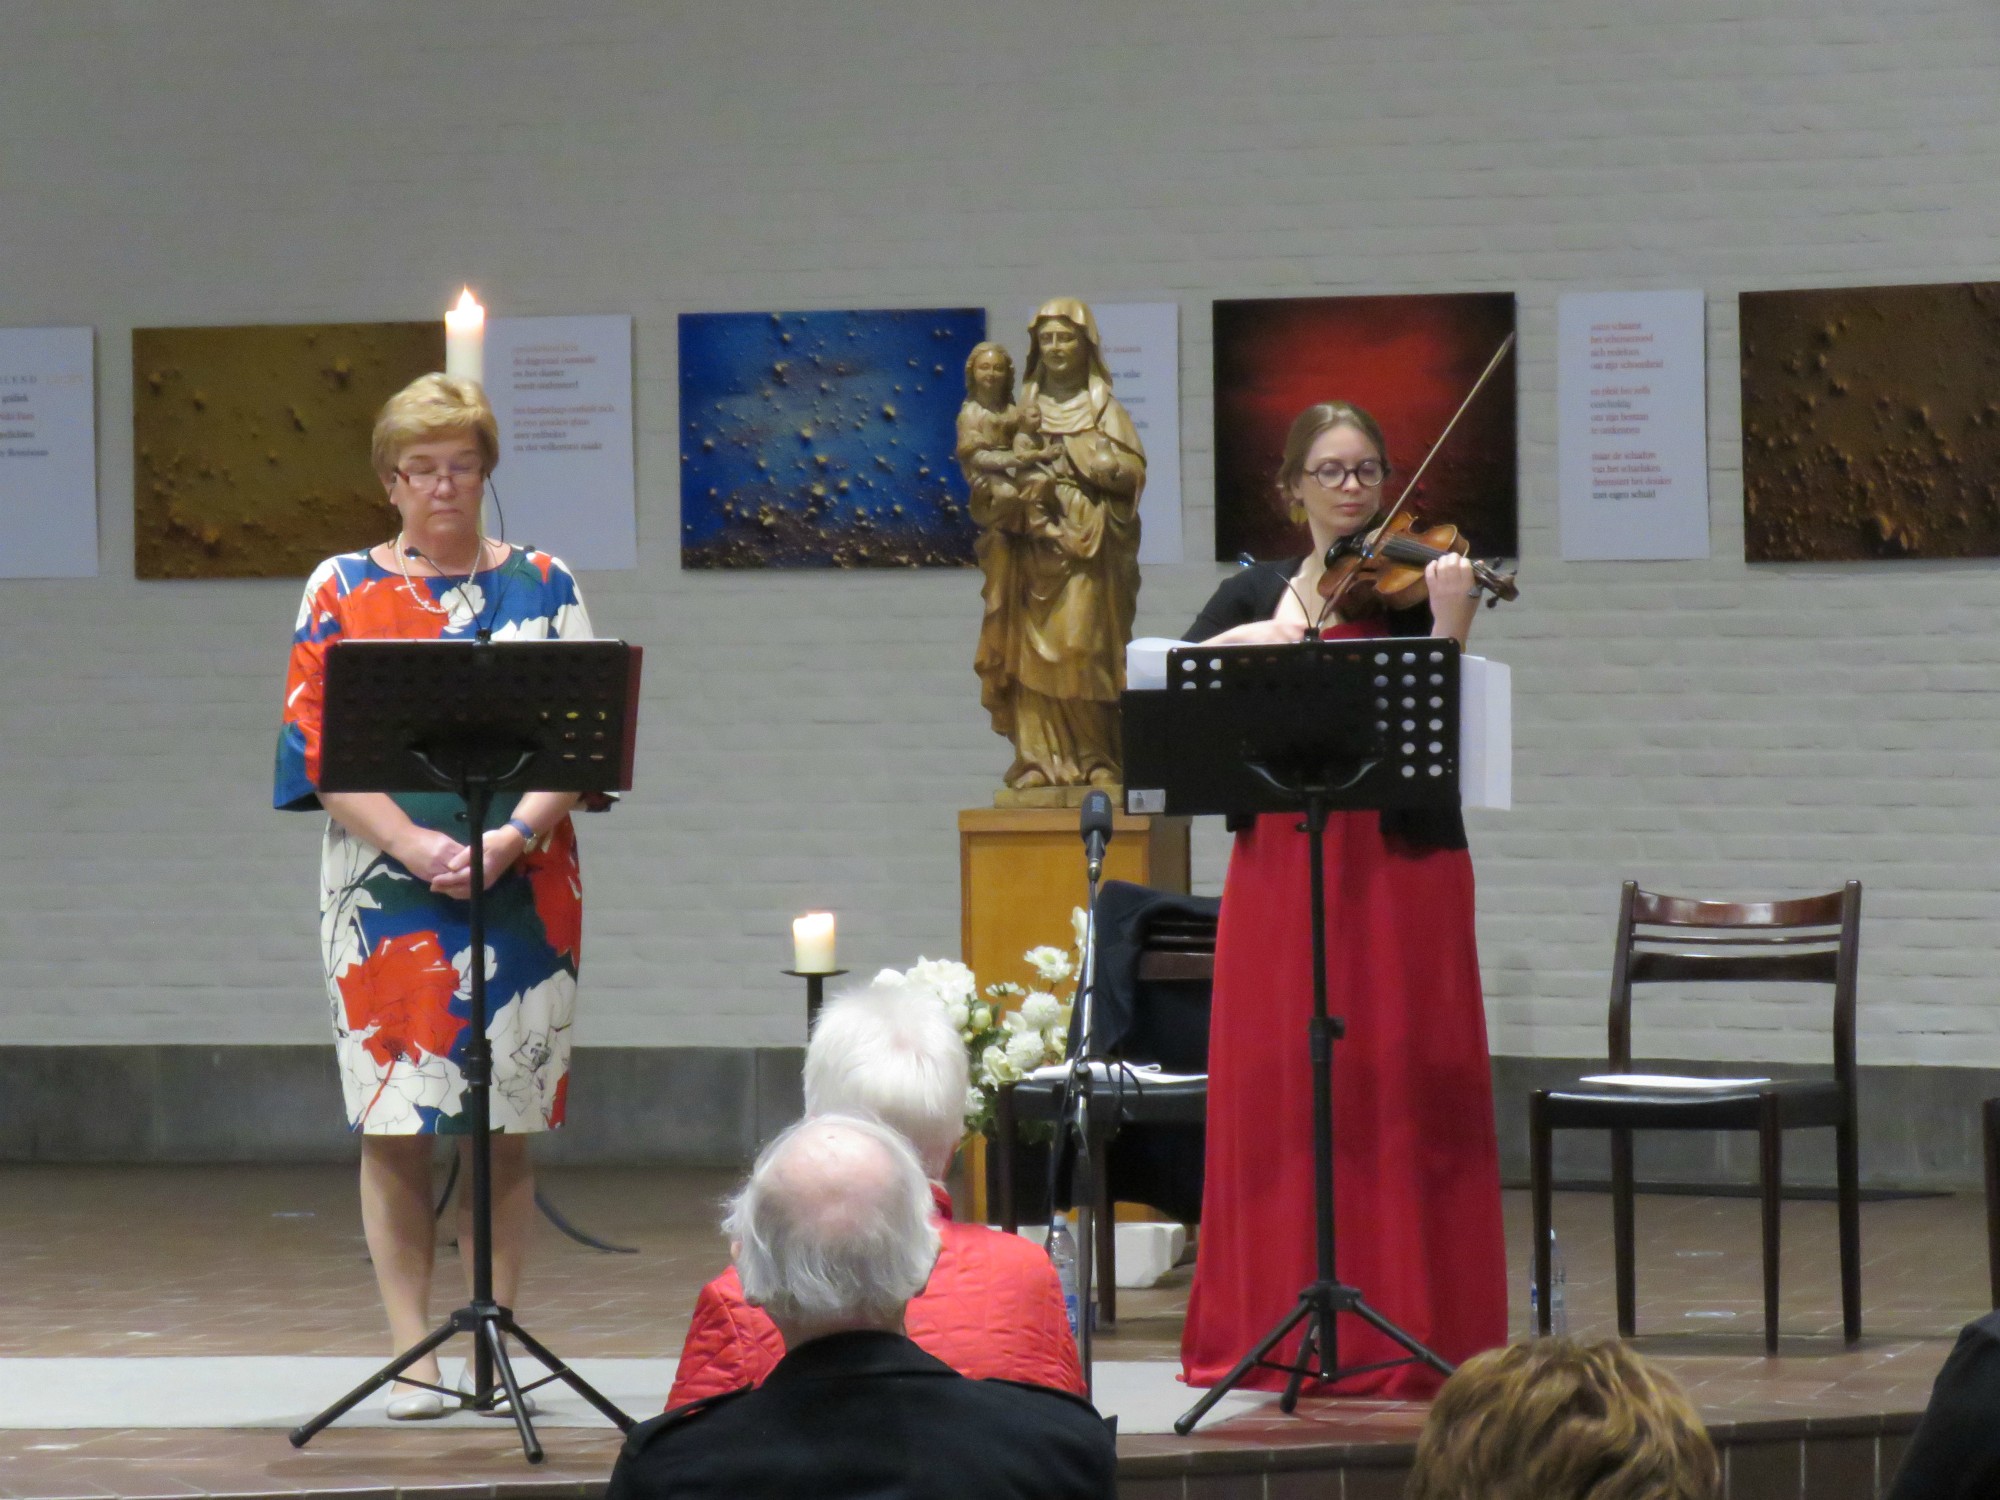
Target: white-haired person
[(833, 1236), (994, 1307)]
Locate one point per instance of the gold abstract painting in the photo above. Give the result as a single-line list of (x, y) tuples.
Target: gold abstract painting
[(250, 445), (1871, 423)]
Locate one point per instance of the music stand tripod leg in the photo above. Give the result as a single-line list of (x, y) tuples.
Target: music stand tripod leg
[(1185, 1423), (567, 1376), (305, 1432), (1375, 1320), (517, 1405)]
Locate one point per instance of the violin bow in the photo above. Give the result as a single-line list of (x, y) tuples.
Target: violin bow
[(1411, 488)]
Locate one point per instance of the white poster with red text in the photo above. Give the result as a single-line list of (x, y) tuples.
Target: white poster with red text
[(1632, 425), (48, 453)]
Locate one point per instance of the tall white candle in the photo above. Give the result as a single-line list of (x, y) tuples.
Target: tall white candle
[(465, 339), (812, 943)]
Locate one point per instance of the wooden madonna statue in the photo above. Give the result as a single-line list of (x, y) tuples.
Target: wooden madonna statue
[(1055, 482)]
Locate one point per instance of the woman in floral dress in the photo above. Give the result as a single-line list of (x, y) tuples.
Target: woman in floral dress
[(396, 869)]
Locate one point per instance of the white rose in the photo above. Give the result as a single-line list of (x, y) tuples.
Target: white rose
[(1040, 1009), (982, 1017), (956, 1012), (947, 978), (995, 1069), (1051, 964), (1058, 1040), (1024, 1050), (1079, 922)]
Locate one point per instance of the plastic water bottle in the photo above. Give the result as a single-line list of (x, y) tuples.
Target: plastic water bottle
[(1558, 1290), (1062, 1255), (1558, 1295)]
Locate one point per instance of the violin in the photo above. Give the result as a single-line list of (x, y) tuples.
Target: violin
[(1383, 569)]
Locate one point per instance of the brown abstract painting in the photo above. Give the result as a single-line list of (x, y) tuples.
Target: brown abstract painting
[(1871, 423), (250, 445)]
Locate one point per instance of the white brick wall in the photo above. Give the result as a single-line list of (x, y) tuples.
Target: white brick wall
[(809, 739)]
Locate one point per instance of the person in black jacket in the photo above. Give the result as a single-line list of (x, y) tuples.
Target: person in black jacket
[(833, 1237), (1955, 1452)]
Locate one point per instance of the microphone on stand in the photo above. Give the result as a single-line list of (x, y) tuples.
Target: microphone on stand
[(1095, 825)]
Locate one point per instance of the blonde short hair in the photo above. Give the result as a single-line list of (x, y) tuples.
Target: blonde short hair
[(431, 407), (1553, 1420)]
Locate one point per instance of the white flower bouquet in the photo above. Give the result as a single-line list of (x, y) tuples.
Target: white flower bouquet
[(1009, 1029)]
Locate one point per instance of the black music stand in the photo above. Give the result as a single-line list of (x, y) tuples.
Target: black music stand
[(1316, 726), (476, 717)]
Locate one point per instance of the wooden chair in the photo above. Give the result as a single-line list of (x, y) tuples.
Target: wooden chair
[(1677, 939), (1174, 970)]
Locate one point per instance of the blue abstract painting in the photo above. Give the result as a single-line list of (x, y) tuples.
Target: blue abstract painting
[(824, 439)]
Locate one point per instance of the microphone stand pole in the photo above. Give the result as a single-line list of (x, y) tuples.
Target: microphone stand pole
[(1076, 1115), (1083, 1180)]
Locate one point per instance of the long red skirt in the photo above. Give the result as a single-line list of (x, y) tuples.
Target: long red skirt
[(1416, 1169)]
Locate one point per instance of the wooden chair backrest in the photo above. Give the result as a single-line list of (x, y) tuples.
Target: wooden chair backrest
[(1176, 973), (1178, 947), (1814, 939)]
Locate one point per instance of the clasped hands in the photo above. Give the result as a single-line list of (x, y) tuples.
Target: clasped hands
[(446, 864)]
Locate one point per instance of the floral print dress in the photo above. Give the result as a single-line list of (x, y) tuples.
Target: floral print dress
[(395, 955)]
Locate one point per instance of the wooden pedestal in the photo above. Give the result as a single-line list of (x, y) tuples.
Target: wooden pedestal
[(1021, 873)]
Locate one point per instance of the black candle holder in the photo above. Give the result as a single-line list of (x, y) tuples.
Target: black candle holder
[(815, 991)]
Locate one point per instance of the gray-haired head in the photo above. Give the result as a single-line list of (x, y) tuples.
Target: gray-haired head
[(889, 1051), (833, 1230)]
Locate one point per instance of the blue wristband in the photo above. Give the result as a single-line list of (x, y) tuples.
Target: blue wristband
[(521, 827)]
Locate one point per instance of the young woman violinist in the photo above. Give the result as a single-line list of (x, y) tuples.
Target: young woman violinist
[(1416, 1168)]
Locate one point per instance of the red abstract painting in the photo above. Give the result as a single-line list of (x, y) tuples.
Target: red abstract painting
[(1407, 360)]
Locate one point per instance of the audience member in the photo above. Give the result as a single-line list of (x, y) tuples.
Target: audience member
[(833, 1235), (1554, 1420), (1955, 1451), (993, 1308)]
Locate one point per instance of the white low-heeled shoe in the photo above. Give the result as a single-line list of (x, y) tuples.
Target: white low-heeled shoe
[(501, 1406), (416, 1406)]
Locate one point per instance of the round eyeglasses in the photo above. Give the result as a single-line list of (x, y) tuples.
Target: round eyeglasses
[(1368, 473)]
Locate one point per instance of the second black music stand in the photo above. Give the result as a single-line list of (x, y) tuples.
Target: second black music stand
[(478, 717), (1312, 727)]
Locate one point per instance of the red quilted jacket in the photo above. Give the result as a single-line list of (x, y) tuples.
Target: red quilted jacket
[(993, 1310)]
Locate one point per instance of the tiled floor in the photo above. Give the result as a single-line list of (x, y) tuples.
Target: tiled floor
[(222, 1260)]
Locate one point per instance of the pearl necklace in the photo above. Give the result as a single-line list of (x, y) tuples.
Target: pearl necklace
[(423, 601)]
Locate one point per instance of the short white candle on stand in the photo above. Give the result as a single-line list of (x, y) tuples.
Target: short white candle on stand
[(812, 943), (465, 339)]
